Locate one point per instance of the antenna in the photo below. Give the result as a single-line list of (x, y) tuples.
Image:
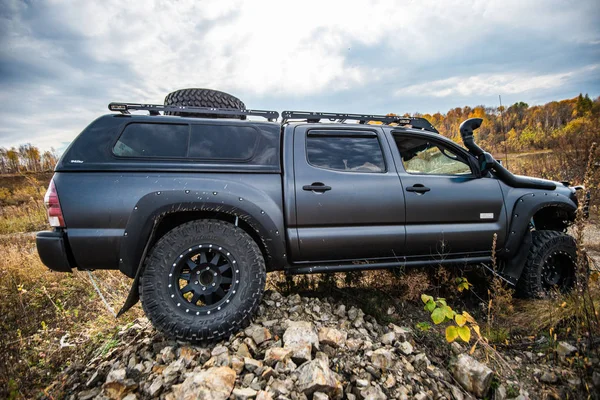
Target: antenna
[(503, 131)]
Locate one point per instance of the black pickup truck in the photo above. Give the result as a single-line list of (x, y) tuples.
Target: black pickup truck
[(199, 202)]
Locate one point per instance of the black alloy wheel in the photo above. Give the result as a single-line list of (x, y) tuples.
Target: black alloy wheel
[(203, 279)]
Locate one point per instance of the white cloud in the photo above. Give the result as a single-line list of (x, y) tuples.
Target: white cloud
[(492, 84), (284, 48)]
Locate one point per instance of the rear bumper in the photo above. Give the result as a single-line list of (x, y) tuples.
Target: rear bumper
[(51, 247)]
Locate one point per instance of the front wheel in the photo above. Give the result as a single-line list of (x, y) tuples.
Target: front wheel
[(551, 264), (203, 281)]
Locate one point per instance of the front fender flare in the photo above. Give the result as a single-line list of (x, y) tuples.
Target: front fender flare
[(519, 239)]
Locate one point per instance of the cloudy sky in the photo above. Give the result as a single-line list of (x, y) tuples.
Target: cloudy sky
[(62, 61)]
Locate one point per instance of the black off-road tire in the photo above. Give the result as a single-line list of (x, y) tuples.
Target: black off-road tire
[(548, 247), (175, 317), (204, 98)]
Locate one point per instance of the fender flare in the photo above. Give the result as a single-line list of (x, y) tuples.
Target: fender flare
[(519, 238), (153, 207)]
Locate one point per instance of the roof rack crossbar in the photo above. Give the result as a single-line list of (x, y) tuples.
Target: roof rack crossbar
[(154, 109), (310, 116)]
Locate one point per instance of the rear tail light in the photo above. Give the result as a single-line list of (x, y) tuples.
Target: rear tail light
[(55, 215)]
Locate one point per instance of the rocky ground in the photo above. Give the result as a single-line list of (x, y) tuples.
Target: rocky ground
[(303, 348)]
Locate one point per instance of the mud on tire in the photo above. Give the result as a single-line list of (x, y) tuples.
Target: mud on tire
[(204, 98), (551, 264), (202, 281)]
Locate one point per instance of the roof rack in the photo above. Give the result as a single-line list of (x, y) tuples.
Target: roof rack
[(309, 116), (154, 109)]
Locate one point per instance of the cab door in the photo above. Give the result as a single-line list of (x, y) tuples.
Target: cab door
[(449, 208), (349, 201)]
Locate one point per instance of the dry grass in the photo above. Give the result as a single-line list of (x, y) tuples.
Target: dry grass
[(554, 313), (27, 217), (48, 319), (21, 203)]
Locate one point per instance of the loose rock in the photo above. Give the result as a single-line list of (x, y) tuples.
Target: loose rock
[(211, 384), (472, 375)]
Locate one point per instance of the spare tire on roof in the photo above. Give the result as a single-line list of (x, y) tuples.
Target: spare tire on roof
[(204, 98)]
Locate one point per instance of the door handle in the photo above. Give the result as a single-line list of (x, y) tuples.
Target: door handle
[(418, 188), (317, 187)]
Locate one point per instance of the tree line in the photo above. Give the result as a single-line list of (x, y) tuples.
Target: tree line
[(564, 124), (26, 158)]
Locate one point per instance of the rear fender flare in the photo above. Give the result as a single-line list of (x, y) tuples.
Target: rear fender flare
[(153, 207)]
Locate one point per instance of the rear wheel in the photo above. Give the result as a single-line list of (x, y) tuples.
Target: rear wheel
[(551, 264), (204, 98), (203, 281)]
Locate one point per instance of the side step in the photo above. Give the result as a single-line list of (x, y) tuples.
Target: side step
[(337, 267)]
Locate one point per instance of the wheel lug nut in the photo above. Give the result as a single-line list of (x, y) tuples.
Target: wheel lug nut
[(215, 274), (213, 284), (196, 282)]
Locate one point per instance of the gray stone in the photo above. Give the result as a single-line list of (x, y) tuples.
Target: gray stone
[(277, 354), (243, 351), (354, 344), (300, 337), (167, 355), (188, 355), (263, 395), (251, 364), (172, 371), (320, 396), (388, 338), (247, 380), (362, 383), (352, 313), (282, 387), (237, 364), (565, 349), (421, 361), (405, 348), (244, 394), (472, 375), (402, 334), (94, 379), (500, 393), (155, 387), (333, 337), (549, 377), (116, 375), (420, 396), (340, 311), (213, 384), (382, 359), (88, 394), (218, 350), (457, 394), (373, 393), (315, 376), (258, 333)]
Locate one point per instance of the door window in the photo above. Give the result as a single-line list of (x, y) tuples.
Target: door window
[(349, 153), (424, 157)]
